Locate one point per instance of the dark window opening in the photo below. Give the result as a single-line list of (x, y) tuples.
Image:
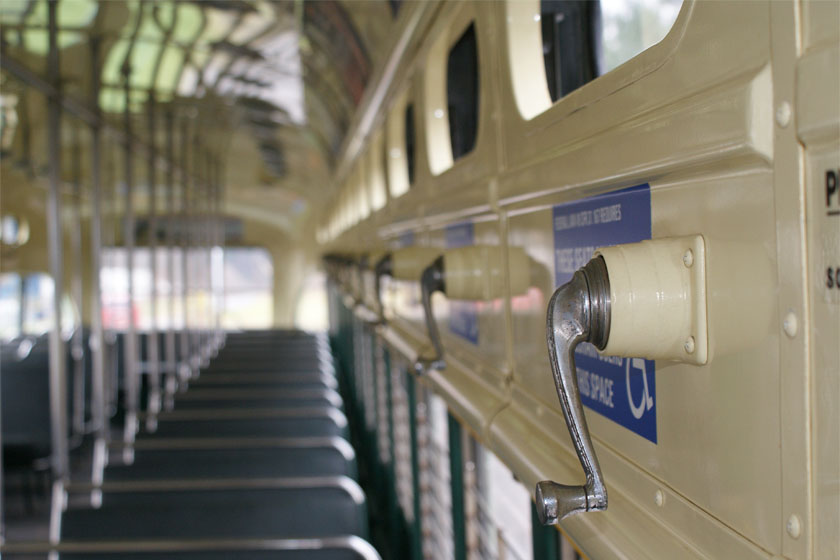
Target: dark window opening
[(462, 93), (571, 44), (395, 7), (409, 142)]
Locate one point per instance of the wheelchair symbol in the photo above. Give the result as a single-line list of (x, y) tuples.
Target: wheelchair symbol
[(647, 401)]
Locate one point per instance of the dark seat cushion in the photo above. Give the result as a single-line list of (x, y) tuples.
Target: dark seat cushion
[(266, 462), (304, 512)]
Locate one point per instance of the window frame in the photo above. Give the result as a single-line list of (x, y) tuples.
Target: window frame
[(435, 114), (526, 76), (399, 179)]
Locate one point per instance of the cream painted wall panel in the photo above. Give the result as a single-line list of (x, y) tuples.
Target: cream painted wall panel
[(698, 54), (712, 419), (824, 255), (818, 128), (820, 22), (695, 116)]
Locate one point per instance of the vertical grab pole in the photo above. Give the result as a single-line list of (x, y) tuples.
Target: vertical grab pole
[(57, 356), (195, 234), (130, 357), (209, 235), (171, 357), (184, 371), (77, 345), (201, 216), (97, 341), (220, 255), (222, 243), (208, 251), (110, 350), (153, 354)]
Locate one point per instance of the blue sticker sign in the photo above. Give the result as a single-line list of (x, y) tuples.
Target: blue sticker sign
[(405, 240), (463, 315), (622, 389)]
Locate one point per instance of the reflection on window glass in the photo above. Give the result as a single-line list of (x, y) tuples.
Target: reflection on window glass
[(10, 306), (585, 39)]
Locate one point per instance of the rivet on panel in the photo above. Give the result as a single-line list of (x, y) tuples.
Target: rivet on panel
[(659, 498), (688, 258), (783, 113), (689, 345), (794, 526), (790, 325)]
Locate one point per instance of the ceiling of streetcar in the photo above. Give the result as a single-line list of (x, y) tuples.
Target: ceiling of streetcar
[(274, 85)]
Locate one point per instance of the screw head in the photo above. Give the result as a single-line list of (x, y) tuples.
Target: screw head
[(688, 258), (790, 324), (659, 498), (793, 526), (783, 114), (689, 345)]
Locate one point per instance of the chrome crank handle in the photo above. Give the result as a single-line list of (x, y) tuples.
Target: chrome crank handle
[(431, 281), (579, 311)]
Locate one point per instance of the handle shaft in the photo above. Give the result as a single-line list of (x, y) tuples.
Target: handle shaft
[(578, 312)]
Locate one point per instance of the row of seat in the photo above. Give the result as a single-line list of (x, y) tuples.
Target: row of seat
[(253, 461)]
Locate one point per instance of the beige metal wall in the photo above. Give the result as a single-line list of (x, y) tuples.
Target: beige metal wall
[(733, 120)]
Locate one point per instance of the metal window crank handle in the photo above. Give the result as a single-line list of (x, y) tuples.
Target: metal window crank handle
[(579, 311), (431, 281)]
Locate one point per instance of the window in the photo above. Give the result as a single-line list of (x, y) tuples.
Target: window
[(358, 184), (311, 312), (409, 142), (571, 45), (26, 307), (630, 26), (502, 503), (10, 306), (8, 120), (244, 275), (557, 46), (400, 145), (395, 7), (14, 231), (462, 93), (248, 288), (436, 499), (375, 172)]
